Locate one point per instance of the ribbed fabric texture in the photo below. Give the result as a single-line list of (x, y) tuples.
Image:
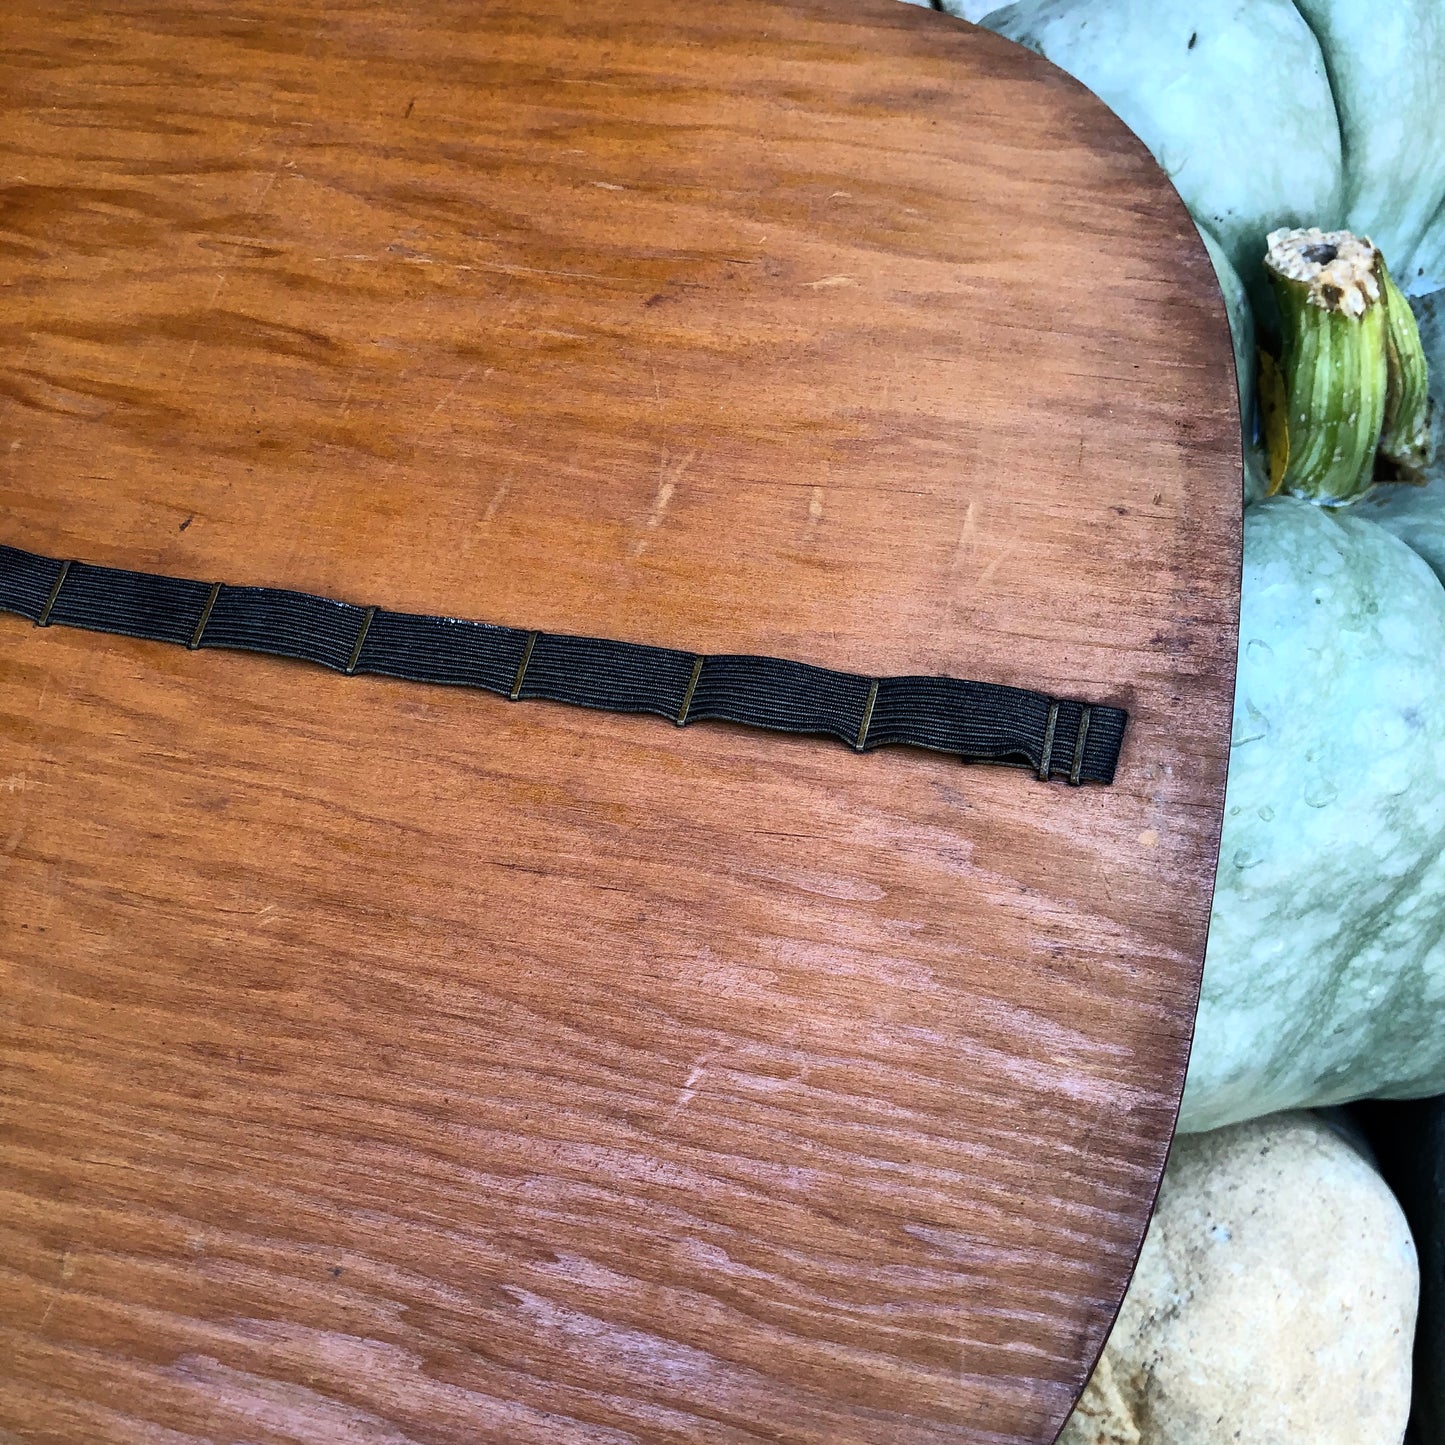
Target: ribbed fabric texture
[(1058, 738)]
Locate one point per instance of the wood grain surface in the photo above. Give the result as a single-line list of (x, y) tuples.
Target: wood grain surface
[(388, 1064)]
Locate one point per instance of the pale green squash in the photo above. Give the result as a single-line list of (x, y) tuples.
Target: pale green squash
[(1325, 971), (1178, 70), (1241, 329), (1386, 63), (1270, 113), (1325, 976)]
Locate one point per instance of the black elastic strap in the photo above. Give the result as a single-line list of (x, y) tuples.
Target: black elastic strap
[(977, 721)]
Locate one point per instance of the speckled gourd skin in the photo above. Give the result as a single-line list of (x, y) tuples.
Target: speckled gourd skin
[(1269, 113), (1232, 100), (1386, 61), (1325, 975), (1416, 515)]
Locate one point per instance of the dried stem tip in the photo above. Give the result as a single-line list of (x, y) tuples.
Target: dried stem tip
[(1335, 268), (1351, 379)]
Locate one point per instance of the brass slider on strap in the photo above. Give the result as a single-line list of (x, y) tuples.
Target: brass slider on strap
[(867, 718), (360, 639), (1076, 771), (1046, 754), (516, 691), (195, 641), (691, 688), (44, 619)]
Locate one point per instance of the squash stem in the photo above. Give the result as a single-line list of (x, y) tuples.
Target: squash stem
[(1331, 381)]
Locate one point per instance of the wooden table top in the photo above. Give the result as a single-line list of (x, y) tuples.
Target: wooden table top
[(386, 1063)]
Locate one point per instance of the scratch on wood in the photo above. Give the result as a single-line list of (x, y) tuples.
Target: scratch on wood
[(689, 1089), (460, 382), (498, 497), (1000, 557), (967, 542), (666, 489), (659, 505)]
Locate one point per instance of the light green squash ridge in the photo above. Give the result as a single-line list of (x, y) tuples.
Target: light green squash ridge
[(1241, 330), (1233, 100), (1416, 515), (1325, 974), (1386, 64)]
